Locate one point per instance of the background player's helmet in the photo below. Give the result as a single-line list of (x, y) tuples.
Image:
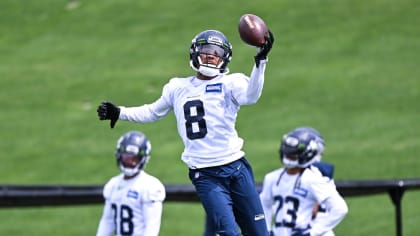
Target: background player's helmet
[(300, 147), (210, 42), (319, 139), (133, 145)]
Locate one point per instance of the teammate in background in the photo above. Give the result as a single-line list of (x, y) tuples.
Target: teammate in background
[(205, 106), (327, 170), (133, 199), (289, 194)]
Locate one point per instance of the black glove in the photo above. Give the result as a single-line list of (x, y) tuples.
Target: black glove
[(108, 111), (301, 231), (264, 49)]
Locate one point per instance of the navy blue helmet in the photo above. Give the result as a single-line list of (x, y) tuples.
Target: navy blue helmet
[(319, 138), (299, 148), (210, 42), (132, 152)]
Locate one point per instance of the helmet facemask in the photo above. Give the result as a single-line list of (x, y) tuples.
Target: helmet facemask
[(131, 164), (289, 163), (210, 43), (132, 153), (301, 151)]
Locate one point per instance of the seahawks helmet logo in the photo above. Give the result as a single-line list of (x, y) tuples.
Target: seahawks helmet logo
[(215, 40)]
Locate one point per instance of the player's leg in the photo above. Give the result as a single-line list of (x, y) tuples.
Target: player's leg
[(209, 228), (216, 201), (246, 203)]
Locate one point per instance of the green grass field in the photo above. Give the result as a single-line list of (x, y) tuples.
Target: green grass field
[(350, 68)]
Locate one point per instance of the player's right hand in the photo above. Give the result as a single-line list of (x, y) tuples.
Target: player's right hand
[(108, 111)]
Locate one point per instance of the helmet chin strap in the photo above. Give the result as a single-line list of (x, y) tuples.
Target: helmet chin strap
[(289, 163), (130, 171), (208, 71)]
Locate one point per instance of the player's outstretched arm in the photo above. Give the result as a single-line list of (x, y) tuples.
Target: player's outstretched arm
[(264, 49), (108, 111)]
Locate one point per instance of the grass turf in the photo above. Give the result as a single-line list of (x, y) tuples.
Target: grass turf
[(348, 68)]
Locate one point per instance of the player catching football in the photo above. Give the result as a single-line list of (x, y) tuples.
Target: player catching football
[(133, 199), (289, 194), (205, 106)]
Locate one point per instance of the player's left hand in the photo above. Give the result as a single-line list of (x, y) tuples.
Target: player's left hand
[(301, 231), (108, 111), (264, 49)]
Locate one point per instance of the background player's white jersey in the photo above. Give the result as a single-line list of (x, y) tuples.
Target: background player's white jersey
[(323, 214), (206, 112), (133, 206), (288, 201)]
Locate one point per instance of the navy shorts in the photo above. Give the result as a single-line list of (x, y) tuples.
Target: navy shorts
[(230, 199)]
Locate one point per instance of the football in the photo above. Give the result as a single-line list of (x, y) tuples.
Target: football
[(252, 29)]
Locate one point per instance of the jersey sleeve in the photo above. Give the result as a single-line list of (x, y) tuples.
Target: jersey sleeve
[(337, 210), (106, 223), (326, 194), (152, 207), (249, 90), (321, 187), (149, 112), (106, 192), (156, 192)]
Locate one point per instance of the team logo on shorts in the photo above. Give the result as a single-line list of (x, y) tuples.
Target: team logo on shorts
[(259, 217)]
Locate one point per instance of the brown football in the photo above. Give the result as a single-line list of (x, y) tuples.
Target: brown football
[(252, 29)]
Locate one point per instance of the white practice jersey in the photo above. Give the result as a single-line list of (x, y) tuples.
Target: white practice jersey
[(322, 213), (206, 112), (132, 207), (288, 201)]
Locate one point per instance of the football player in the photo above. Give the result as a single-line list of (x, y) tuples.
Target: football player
[(133, 199), (327, 170), (205, 106), (289, 194)]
